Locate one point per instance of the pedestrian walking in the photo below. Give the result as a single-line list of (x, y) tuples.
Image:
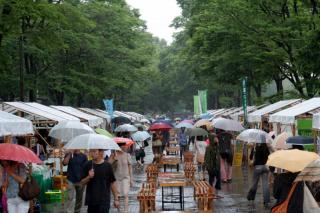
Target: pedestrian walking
[(13, 175), (260, 154), (75, 161), (99, 178), (212, 161), (123, 175), (282, 185), (183, 141), (226, 155)]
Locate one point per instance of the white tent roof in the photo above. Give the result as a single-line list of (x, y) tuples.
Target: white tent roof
[(118, 113), (256, 116), (288, 116), (235, 110), (235, 116), (97, 113), (35, 113), (14, 125), (316, 121), (53, 111), (93, 121)]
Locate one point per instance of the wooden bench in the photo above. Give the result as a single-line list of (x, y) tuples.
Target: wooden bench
[(189, 171), (147, 197), (152, 171), (204, 195)]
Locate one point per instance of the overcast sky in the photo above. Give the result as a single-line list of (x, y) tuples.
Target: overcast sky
[(158, 15)]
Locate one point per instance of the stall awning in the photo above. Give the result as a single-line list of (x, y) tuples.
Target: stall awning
[(288, 116), (256, 116), (235, 116), (316, 121), (33, 114), (92, 120), (232, 111), (14, 125), (118, 113), (103, 115)]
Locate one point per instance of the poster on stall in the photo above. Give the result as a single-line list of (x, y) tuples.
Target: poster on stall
[(238, 153)]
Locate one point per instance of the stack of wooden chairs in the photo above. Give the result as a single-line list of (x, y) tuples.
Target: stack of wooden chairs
[(189, 171), (188, 156), (147, 197), (204, 195), (152, 171)]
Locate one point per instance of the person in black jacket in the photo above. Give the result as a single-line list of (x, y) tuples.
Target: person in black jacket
[(282, 185)]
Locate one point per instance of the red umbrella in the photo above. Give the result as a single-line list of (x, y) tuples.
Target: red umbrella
[(160, 126), (18, 153), (128, 141)]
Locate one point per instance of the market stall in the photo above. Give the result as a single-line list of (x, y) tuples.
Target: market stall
[(298, 118), (104, 115), (316, 130), (11, 125), (261, 116)]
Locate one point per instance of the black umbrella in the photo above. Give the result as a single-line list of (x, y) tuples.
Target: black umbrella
[(121, 120), (299, 140)]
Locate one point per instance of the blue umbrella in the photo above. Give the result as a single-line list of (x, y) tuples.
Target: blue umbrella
[(299, 140), (206, 116)]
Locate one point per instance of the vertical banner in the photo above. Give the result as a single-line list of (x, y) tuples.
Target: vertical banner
[(203, 100), (244, 100), (196, 105), (108, 103)]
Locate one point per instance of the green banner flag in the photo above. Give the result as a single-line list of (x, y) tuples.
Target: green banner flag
[(196, 105), (244, 99), (203, 100)]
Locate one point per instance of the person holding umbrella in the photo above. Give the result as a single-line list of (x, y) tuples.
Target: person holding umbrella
[(99, 178), (183, 142), (14, 174)]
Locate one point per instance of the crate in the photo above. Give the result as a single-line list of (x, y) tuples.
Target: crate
[(55, 196), (60, 182)]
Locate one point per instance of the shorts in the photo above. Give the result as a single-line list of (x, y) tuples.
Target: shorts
[(124, 186)]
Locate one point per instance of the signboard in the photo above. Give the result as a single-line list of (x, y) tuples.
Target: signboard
[(203, 100), (305, 129), (238, 153)]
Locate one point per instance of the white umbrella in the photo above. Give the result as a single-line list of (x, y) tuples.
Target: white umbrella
[(183, 124), (126, 128), (92, 141), (280, 141), (144, 120), (254, 136), (227, 124), (140, 136), (65, 131)]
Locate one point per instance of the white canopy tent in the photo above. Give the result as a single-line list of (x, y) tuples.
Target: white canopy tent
[(288, 116), (118, 113), (233, 111), (93, 121), (256, 116), (14, 125), (100, 114), (238, 114)]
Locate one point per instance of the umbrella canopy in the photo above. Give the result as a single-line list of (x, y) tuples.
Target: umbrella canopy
[(166, 121), (18, 153), (310, 172), (103, 132), (128, 141), (293, 160), (14, 125), (160, 126), (140, 136), (121, 120), (204, 122), (300, 140), (280, 141), (196, 132), (126, 128), (227, 124), (187, 121), (92, 141), (254, 136), (206, 116), (144, 120), (65, 131), (183, 125)]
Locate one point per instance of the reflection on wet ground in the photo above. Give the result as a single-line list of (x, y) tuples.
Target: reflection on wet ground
[(233, 195)]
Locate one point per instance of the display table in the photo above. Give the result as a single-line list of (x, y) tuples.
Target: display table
[(170, 160), (170, 181), (173, 149)]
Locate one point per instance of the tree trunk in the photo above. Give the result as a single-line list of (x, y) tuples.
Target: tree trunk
[(59, 97), (258, 90), (279, 86)]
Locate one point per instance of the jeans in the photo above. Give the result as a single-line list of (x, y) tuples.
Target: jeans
[(260, 171), (215, 175), (17, 205), (102, 208), (183, 148), (75, 190)]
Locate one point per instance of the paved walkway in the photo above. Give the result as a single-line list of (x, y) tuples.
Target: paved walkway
[(233, 194)]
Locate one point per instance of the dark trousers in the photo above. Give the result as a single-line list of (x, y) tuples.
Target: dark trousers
[(102, 208), (183, 148), (215, 175), (79, 197)]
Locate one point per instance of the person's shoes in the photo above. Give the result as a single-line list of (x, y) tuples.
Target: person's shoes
[(229, 180), (224, 181)]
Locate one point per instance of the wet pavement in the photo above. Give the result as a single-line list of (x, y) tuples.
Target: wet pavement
[(233, 195)]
